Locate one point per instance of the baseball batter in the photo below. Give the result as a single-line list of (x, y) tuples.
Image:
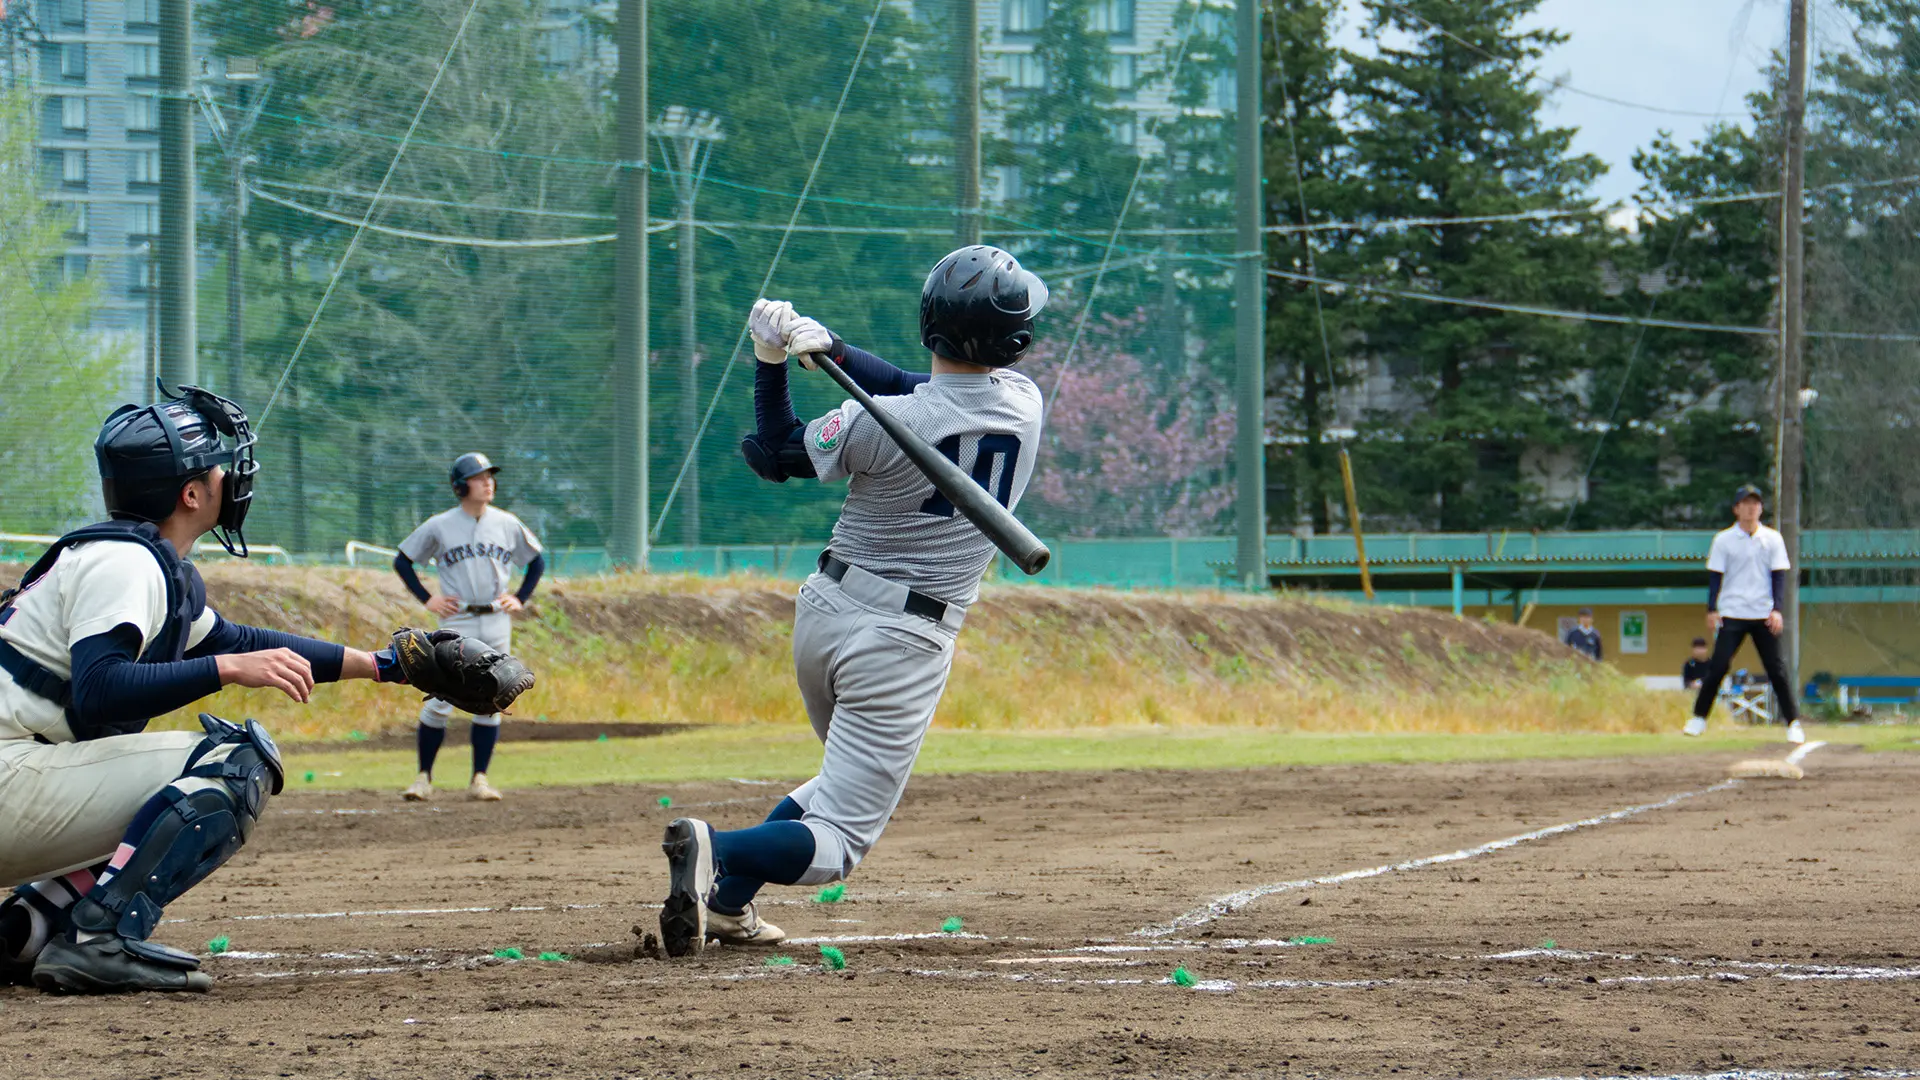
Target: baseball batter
[(105, 823), (874, 628), (477, 546)]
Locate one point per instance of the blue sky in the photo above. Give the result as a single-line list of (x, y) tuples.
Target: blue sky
[(1695, 55)]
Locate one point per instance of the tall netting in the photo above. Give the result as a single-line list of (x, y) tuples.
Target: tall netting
[(476, 309)]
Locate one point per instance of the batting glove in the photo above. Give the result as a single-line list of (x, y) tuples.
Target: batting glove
[(767, 324), (805, 337)]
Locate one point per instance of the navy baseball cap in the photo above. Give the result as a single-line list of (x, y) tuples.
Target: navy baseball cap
[(1748, 491)]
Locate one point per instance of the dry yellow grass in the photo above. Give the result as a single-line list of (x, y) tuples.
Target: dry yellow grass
[(672, 649)]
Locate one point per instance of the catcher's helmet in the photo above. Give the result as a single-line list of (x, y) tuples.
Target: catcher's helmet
[(978, 306), (468, 466), (147, 454)]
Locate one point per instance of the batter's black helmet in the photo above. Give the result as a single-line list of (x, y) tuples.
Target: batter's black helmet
[(468, 466), (147, 454), (978, 306)]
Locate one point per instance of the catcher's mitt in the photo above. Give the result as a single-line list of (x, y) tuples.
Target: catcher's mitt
[(459, 670)]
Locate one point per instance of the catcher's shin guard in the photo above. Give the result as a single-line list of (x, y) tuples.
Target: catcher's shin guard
[(186, 831)]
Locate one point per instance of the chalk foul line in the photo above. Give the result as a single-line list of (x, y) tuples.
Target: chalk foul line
[(1232, 902)]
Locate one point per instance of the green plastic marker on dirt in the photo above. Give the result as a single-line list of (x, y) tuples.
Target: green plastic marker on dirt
[(555, 957), (665, 801), (509, 954), (832, 894), (219, 945), (1309, 941), (953, 925), (833, 958), (357, 736), (1549, 944), (1183, 977), (779, 961), (309, 776)]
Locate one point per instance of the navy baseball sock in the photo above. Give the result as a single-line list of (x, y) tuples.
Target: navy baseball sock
[(774, 851), (429, 744), (484, 736), (733, 892)]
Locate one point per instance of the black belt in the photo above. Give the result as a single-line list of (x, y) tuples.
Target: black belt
[(31, 676), (918, 603), (480, 609)]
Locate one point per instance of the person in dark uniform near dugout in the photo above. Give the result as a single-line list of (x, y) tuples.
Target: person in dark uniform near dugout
[(1694, 671), (1584, 638), (1747, 570)]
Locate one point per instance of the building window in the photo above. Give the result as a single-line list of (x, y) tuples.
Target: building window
[(146, 167), (1111, 17), (1023, 71), (73, 113), (1125, 130), (1122, 70), (561, 46), (1226, 95), (143, 61), (74, 13), (73, 268), (143, 113), (143, 220), (79, 227), (1024, 16), (73, 168), (143, 12), (73, 60)]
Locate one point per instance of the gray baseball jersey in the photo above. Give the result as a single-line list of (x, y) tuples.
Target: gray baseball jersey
[(894, 524), (476, 556)]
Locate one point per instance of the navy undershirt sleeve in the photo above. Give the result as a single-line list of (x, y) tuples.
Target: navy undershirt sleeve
[(115, 695), (874, 375), (227, 638), (773, 416), (404, 567), (1714, 578), (534, 569), (1778, 578)]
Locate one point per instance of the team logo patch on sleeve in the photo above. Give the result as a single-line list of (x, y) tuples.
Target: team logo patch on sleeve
[(828, 436)]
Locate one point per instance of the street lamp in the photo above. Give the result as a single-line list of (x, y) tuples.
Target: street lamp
[(686, 139)]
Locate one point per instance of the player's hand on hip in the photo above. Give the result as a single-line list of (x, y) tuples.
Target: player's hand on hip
[(278, 669), (767, 323), (806, 337), (444, 606), (1776, 622), (508, 603)]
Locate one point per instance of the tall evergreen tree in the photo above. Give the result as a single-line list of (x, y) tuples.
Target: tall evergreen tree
[(1447, 126)]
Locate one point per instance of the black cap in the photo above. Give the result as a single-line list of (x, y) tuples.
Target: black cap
[(1748, 491), (1586, 611), (1699, 643), (468, 466)]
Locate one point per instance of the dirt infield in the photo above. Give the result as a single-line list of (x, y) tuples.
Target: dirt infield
[(1645, 918)]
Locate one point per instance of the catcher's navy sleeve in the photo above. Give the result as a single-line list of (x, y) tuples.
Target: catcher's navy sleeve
[(411, 579), (534, 569), (230, 637), (113, 694)]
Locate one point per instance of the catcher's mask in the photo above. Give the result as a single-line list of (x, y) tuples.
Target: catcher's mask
[(146, 454)]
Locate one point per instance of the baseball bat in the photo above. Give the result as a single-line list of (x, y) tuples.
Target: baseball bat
[(995, 521)]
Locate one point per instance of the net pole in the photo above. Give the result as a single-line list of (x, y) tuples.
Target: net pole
[(179, 351), (966, 120), (1793, 323), (1249, 308), (630, 486)]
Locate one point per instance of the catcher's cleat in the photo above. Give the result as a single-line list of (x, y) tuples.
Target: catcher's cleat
[(482, 791), (746, 928), (1695, 726), (116, 965), (1796, 734), (690, 877), (420, 790)]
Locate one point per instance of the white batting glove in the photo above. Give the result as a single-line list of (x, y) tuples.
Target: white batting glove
[(767, 324), (805, 337)]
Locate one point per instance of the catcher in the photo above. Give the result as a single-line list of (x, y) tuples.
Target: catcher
[(107, 823)]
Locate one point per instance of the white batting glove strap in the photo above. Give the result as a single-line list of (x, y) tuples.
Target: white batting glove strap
[(767, 324), (805, 337)]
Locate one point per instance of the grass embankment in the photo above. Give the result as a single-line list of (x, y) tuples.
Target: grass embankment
[(789, 752), (668, 649)]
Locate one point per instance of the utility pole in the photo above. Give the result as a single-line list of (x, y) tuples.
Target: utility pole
[(232, 137), (1790, 448), (686, 142), (1249, 280), (966, 120), (630, 480), (179, 351)]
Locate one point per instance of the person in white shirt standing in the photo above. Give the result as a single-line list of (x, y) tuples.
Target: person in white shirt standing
[(476, 545), (1747, 571)]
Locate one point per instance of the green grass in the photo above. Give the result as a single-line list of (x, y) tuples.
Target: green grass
[(764, 752)]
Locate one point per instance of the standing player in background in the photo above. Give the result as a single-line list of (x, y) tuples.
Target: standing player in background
[(1584, 638), (1747, 570), (874, 629), (107, 630), (477, 545)]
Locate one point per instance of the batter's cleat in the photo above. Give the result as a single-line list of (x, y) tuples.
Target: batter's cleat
[(115, 965), (420, 790), (690, 878), (482, 791), (746, 928), (1796, 734), (1695, 726)]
